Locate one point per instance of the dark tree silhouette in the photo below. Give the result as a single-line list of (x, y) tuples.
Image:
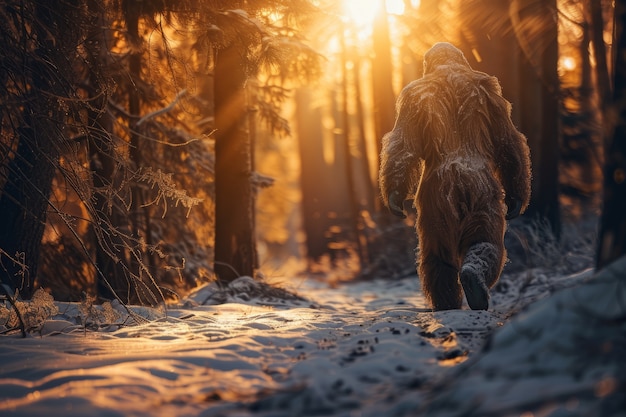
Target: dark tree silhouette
[(38, 80), (110, 274), (534, 23), (612, 236), (599, 50), (313, 174)]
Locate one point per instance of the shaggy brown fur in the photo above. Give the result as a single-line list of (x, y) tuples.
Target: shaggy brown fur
[(455, 148)]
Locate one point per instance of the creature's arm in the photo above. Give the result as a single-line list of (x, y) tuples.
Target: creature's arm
[(514, 165), (422, 119), (394, 177), (511, 153), (400, 157)]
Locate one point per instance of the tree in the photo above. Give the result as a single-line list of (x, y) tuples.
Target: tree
[(581, 156), (252, 43), (535, 26), (313, 174), (38, 87), (121, 130), (612, 234), (63, 89), (384, 97), (599, 48), (234, 203), (354, 215), (109, 273)]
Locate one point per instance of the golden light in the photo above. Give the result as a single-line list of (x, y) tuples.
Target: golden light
[(395, 7), (362, 12), (568, 63)]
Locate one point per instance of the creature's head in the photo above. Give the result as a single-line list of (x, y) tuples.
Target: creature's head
[(443, 53)]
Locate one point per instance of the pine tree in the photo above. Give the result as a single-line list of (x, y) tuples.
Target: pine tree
[(251, 43)]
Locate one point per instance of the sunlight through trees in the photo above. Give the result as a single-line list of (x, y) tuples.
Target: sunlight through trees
[(156, 146)]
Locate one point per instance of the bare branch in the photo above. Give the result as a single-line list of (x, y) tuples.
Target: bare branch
[(163, 110)]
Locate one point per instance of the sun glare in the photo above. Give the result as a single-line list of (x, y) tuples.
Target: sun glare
[(395, 7), (568, 63), (359, 11), (362, 12)]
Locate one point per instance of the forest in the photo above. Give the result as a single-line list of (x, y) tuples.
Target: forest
[(159, 154), (116, 133)]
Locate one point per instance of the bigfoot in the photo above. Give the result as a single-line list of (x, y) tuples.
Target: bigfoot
[(455, 148)]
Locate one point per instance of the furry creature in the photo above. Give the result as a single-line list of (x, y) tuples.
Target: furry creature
[(455, 148)]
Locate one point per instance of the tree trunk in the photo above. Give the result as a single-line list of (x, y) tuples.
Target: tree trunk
[(313, 174), (337, 191), (612, 235), (24, 201), (140, 216), (548, 193), (540, 118), (234, 202), (355, 208), (599, 50), (384, 97), (134, 109), (370, 192), (252, 135), (106, 215)]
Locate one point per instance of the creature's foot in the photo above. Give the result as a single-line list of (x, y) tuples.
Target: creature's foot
[(476, 291)]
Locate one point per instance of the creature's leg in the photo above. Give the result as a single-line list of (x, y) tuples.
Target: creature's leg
[(440, 281), (481, 268)]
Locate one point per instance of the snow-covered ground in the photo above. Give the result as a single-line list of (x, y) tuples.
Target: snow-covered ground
[(370, 348)]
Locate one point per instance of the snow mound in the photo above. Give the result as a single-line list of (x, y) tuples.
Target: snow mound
[(562, 357), (245, 290)]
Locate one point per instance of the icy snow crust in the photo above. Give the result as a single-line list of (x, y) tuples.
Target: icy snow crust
[(370, 349)]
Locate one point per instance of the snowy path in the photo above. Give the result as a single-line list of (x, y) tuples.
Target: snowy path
[(359, 349)]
